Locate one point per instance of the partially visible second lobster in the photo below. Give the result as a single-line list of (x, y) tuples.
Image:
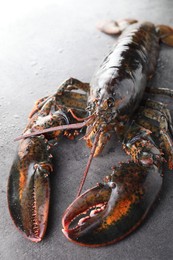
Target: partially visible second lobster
[(105, 105)]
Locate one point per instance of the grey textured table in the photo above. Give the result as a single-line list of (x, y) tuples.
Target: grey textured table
[(41, 46)]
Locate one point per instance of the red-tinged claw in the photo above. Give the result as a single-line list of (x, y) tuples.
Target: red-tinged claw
[(84, 210), (28, 188), (109, 212)]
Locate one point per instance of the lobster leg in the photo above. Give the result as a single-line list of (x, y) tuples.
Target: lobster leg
[(48, 110), (73, 84), (160, 91), (158, 111), (160, 106), (66, 97)]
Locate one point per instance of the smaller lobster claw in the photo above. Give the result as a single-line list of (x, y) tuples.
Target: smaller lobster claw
[(108, 212)]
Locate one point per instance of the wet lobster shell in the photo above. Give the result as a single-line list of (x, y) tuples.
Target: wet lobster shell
[(115, 92), (118, 85), (121, 78)]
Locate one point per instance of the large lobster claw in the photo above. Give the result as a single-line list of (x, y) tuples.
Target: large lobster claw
[(108, 212), (28, 188)]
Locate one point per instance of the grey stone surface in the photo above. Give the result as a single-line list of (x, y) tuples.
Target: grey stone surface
[(42, 43)]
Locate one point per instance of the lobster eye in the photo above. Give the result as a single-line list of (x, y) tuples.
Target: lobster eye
[(110, 102)]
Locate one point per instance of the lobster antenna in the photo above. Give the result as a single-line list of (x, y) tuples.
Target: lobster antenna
[(88, 163), (60, 127), (51, 129)]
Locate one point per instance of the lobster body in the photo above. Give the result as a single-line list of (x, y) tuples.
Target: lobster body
[(110, 211)]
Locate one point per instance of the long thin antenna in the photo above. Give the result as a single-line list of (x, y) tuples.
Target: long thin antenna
[(51, 129), (88, 163)]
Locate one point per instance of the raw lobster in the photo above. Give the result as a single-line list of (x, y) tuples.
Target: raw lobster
[(105, 105)]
